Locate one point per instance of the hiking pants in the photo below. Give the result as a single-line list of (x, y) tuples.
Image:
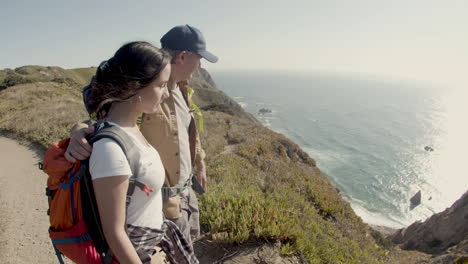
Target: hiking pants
[(189, 222)]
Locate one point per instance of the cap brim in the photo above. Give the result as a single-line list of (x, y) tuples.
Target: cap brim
[(208, 56)]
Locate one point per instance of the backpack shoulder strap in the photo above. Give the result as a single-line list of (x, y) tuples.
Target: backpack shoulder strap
[(125, 142), (92, 220)]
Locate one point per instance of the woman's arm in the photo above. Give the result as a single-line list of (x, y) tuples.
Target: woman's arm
[(111, 193)]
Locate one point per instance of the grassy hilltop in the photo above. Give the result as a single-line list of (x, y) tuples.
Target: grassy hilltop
[(263, 189)]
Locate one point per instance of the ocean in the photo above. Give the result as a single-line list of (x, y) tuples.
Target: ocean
[(369, 135)]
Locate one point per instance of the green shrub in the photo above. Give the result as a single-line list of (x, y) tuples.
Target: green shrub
[(461, 260), (14, 79), (245, 203), (218, 107)]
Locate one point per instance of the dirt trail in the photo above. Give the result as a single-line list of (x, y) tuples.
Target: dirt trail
[(23, 205)]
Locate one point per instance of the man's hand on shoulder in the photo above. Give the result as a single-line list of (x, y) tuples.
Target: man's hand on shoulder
[(79, 148)]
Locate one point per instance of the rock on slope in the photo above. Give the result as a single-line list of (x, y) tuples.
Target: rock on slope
[(442, 233)]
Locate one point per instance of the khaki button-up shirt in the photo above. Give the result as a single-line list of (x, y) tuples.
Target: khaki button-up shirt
[(160, 129)]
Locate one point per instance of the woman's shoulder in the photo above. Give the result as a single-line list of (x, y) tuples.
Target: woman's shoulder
[(107, 144), (107, 150), (108, 159)]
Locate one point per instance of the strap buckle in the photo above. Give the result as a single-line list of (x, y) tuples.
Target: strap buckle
[(175, 190)]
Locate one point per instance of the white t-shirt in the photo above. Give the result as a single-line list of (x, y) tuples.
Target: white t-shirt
[(183, 117), (108, 159)]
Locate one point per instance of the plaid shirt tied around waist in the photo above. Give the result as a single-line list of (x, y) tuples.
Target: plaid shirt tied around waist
[(169, 238)]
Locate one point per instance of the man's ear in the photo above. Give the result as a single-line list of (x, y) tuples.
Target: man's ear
[(180, 57)]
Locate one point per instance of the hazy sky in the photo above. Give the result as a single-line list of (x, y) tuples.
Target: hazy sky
[(414, 39)]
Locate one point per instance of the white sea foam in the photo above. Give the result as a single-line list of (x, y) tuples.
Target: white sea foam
[(266, 122), (373, 218), (330, 159), (369, 140)]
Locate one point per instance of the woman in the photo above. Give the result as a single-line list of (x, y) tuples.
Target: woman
[(132, 82)]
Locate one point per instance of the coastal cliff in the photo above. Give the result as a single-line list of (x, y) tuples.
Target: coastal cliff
[(444, 233), (267, 200)]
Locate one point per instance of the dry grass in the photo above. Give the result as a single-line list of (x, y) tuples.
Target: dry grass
[(41, 112), (262, 186)]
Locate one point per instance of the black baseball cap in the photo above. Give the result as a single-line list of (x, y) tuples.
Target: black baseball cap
[(185, 37)]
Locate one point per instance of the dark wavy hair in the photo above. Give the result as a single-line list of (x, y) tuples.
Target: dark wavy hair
[(133, 67)]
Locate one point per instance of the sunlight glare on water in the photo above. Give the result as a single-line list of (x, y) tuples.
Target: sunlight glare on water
[(448, 172), (441, 174)]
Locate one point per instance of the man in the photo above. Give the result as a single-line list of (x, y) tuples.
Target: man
[(171, 131)]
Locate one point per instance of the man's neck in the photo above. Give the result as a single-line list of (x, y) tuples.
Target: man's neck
[(172, 84)]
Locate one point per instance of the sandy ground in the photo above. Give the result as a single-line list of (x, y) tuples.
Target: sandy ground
[(23, 205)]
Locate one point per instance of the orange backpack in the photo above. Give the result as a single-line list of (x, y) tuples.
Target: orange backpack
[(75, 227)]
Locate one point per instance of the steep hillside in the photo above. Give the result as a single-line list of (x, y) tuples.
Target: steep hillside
[(265, 194)]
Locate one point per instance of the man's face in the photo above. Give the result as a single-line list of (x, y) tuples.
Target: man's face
[(191, 62)]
